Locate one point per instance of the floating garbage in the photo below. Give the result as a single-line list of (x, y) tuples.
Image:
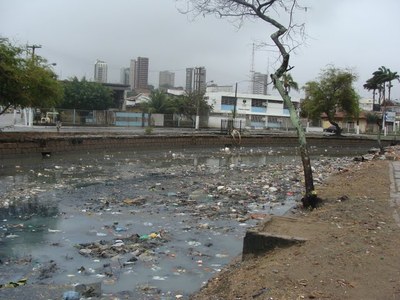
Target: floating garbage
[(14, 284), (71, 295)]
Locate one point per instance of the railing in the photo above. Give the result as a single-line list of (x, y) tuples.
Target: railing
[(227, 125)]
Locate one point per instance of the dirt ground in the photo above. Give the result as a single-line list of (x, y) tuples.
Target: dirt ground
[(352, 252)]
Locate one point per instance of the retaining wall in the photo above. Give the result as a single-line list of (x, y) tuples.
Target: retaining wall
[(30, 143)]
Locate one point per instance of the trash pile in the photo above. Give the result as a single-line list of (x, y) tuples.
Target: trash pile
[(138, 247)]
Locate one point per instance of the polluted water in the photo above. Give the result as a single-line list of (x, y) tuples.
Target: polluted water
[(142, 224)]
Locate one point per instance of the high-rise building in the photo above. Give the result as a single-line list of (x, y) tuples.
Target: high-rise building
[(189, 80), (100, 71), (139, 74), (125, 74), (166, 79), (196, 79), (260, 83)]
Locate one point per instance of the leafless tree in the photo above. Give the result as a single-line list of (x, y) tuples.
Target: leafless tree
[(273, 13)]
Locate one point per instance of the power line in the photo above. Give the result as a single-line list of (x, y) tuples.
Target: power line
[(33, 47)]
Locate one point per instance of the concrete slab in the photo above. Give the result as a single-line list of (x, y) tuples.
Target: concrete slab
[(277, 232)]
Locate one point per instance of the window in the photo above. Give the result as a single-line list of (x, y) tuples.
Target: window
[(228, 100), (350, 125), (258, 103), (257, 118), (273, 120)]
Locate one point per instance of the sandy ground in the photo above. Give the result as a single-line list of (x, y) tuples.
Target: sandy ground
[(352, 252)]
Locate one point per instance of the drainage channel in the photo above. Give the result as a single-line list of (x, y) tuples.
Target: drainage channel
[(145, 225)]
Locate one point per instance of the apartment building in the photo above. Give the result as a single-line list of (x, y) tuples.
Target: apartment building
[(139, 74), (100, 71)]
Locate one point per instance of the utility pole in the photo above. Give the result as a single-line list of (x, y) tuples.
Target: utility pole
[(33, 47), (252, 70), (197, 95)]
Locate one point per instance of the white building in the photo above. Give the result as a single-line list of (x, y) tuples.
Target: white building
[(100, 71), (219, 88), (366, 104), (196, 79), (252, 110)]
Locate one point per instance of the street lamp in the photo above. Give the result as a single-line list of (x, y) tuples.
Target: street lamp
[(235, 104)]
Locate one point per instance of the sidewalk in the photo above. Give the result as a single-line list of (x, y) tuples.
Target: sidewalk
[(394, 169)]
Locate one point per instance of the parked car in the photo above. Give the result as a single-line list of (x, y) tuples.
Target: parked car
[(331, 129)]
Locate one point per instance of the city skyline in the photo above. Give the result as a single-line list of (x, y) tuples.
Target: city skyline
[(353, 34)]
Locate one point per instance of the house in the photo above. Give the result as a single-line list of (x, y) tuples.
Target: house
[(349, 124), (132, 103)]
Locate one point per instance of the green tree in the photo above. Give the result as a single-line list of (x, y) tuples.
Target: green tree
[(268, 11), (83, 94), (190, 105), (381, 79), (26, 82), (333, 92), (158, 103)]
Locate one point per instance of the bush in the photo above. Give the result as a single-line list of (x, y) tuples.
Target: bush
[(148, 130)]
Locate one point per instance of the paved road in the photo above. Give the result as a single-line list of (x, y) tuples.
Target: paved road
[(11, 123)]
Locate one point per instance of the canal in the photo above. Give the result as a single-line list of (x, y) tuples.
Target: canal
[(145, 224)]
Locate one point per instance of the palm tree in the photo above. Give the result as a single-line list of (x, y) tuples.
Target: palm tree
[(390, 76), (379, 77), (372, 85), (158, 103), (288, 83)]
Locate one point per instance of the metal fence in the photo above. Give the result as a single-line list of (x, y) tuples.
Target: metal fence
[(228, 125), (76, 117)]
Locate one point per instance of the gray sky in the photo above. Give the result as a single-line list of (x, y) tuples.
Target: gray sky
[(358, 34)]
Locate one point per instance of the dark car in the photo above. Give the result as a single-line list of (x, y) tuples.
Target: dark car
[(331, 129)]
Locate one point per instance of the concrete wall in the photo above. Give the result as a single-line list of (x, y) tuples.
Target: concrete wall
[(31, 143)]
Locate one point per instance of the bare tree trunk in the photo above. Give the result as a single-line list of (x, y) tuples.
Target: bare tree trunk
[(310, 198), (260, 9), (379, 123)]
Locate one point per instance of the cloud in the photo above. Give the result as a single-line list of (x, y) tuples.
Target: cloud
[(359, 34)]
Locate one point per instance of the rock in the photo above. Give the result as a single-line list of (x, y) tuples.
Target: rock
[(135, 201), (85, 252), (272, 189)]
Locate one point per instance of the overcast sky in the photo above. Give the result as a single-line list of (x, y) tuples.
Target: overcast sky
[(358, 34)]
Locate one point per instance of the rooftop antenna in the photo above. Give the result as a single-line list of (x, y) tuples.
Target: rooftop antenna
[(252, 70)]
